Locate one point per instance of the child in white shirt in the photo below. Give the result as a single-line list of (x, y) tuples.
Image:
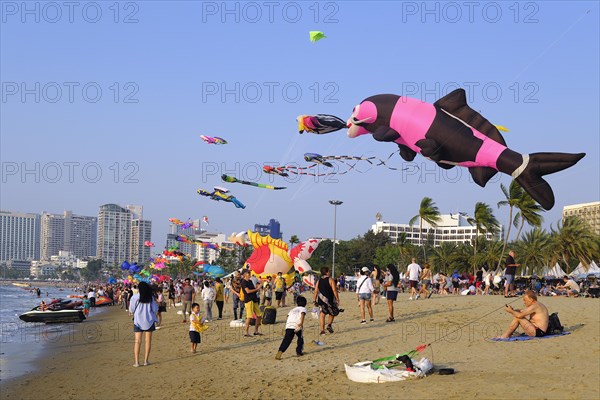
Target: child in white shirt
[(293, 326)]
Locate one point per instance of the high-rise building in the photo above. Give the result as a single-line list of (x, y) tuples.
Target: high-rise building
[(141, 231), (272, 228), (52, 235), (81, 235), (67, 232), (19, 236), (453, 228), (122, 233), (588, 212)]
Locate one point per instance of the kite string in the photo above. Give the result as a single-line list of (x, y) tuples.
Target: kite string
[(470, 322)]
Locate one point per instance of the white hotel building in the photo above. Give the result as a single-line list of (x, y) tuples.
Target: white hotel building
[(452, 228), (19, 236)]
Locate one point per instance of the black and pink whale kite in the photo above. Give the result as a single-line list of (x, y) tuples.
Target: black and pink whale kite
[(451, 133)]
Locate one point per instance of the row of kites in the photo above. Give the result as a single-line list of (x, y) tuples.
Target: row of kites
[(448, 132), (269, 257)]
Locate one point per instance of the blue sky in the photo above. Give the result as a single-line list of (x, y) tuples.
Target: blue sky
[(162, 67)]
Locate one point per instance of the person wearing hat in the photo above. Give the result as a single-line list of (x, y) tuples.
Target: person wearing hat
[(364, 289)]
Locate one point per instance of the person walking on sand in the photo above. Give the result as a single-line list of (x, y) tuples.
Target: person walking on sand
[(189, 296), (425, 281), (208, 296), (328, 299), (279, 289), (219, 296), (391, 285), (144, 309), (171, 295), (250, 296), (413, 271), (236, 281), (376, 280), (294, 326), (364, 290)]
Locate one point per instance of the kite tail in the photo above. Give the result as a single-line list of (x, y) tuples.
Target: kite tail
[(534, 166)]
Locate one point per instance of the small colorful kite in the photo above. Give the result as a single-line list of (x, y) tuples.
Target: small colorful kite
[(213, 140), (232, 179), (315, 36), (220, 194), (320, 123), (148, 243)]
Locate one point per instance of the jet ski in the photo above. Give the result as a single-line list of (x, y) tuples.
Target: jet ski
[(53, 317)]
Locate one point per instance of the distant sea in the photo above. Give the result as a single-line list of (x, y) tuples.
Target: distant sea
[(22, 343)]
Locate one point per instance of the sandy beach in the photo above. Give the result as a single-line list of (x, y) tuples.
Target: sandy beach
[(94, 359)]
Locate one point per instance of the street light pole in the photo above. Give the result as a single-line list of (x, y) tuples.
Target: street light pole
[(335, 203)]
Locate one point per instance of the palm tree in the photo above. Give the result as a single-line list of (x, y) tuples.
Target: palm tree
[(529, 211), (513, 196), (573, 239), (534, 248), (293, 240), (444, 256), (484, 221), (429, 213)]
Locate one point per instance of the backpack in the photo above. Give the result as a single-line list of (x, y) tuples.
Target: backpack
[(554, 325)]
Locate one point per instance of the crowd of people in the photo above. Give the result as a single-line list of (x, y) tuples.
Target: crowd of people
[(246, 295)]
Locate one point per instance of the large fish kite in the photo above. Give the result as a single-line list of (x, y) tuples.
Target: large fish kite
[(451, 133)]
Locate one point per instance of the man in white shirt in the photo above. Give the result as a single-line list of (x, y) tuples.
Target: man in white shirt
[(413, 271), (570, 286), (92, 296)]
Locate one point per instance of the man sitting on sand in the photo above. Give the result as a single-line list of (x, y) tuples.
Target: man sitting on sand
[(537, 323), (570, 287)]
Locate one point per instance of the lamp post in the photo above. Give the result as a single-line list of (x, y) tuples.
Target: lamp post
[(335, 203)]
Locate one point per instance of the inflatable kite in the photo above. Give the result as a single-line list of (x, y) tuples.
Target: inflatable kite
[(175, 221), (213, 140), (315, 36), (238, 238), (148, 243), (232, 179), (320, 123), (220, 194), (451, 133), (214, 271), (271, 256)]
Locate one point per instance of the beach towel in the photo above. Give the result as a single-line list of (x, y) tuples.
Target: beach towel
[(522, 338)]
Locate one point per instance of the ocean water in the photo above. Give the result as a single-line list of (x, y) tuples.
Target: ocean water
[(22, 343)]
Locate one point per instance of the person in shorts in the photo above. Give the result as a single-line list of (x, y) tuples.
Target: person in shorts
[(391, 286), (413, 272), (426, 279), (364, 290), (509, 274), (250, 296), (195, 326), (279, 289)]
